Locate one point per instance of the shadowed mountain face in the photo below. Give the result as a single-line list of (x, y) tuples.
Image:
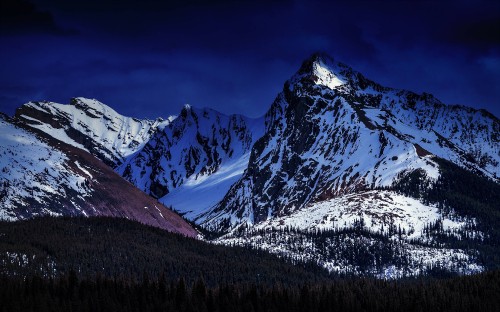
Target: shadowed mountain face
[(334, 151)]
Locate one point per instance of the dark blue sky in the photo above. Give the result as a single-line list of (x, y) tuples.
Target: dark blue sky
[(148, 58)]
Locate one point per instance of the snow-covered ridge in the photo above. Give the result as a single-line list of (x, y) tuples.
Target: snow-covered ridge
[(322, 233), (91, 125), (41, 176)]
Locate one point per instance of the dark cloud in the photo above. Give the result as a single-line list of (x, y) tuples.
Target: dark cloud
[(19, 16), (481, 33), (147, 58)]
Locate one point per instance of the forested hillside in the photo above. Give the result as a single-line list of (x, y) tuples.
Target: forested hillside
[(111, 247)]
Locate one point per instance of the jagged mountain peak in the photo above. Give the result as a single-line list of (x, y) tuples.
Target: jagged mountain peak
[(186, 110), (190, 111), (323, 70), (316, 58), (91, 106), (206, 120), (193, 161)]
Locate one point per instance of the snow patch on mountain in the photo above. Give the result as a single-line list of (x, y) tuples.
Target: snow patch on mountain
[(377, 210), (325, 76), (330, 234), (199, 193), (56, 133)]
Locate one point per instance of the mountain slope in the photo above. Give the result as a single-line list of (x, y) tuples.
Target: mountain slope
[(32, 172), (375, 233), (368, 180), (43, 176), (195, 156)]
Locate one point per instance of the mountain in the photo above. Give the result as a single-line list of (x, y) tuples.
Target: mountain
[(43, 176), (341, 171), (332, 132), (367, 179)]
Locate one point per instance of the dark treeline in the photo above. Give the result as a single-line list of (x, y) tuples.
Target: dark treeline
[(121, 248), (69, 293)]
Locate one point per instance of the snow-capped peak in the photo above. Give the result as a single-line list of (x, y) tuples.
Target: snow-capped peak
[(192, 162), (325, 75), (332, 132), (322, 70)]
